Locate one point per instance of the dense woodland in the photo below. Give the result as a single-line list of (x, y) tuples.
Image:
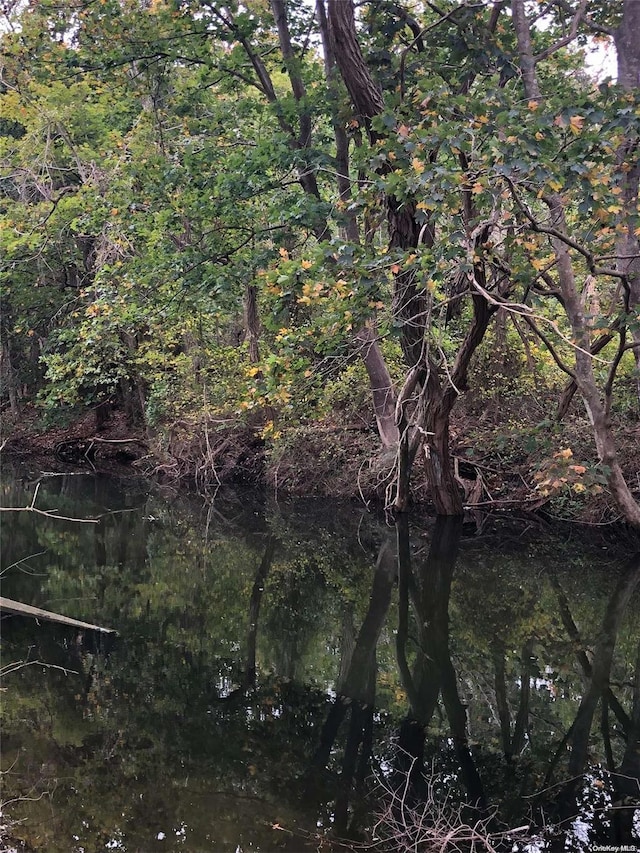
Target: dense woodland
[(350, 243)]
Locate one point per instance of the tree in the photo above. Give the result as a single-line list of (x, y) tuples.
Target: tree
[(627, 38), (569, 257), (521, 173)]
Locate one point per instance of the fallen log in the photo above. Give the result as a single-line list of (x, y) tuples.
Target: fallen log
[(16, 608)]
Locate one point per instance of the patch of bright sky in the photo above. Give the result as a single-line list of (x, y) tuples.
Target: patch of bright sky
[(600, 59)]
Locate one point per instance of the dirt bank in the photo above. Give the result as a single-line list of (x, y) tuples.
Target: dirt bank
[(550, 472)]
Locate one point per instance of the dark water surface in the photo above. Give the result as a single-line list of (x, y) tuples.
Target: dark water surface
[(290, 673)]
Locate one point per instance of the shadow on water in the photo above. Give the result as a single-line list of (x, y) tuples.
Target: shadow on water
[(289, 675)]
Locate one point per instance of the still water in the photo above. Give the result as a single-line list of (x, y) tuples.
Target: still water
[(290, 674)]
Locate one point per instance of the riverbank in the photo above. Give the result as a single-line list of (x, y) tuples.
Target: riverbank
[(546, 468)]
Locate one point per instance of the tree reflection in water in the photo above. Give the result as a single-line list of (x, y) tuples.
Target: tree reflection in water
[(274, 685), (592, 805)]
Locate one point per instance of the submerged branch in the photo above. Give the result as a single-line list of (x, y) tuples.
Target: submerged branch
[(48, 513)]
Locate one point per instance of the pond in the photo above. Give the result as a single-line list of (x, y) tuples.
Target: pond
[(299, 675)]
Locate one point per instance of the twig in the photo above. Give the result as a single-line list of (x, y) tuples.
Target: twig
[(23, 560), (10, 668), (48, 513)]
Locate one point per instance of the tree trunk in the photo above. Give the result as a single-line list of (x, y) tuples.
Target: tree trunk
[(445, 492), (585, 378), (409, 298), (570, 388), (252, 322), (627, 39), (601, 667), (384, 395), (409, 304), (525, 50), (430, 417), (254, 611), (365, 95), (358, 684), (437, 576), (8, 377), (502, 703), (522, 717), (351, 230)]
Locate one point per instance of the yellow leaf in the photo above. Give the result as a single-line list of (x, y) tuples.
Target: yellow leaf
[(533, 105), (576, 123), (306, 265), (567, 453), (418, 165), (283, 254)]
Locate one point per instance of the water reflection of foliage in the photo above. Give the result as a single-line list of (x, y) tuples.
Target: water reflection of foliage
[(236, 625)]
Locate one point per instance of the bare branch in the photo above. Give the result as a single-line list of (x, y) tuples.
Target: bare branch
[(48, 513), (547, 342), (571, 35), (587, 19)]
